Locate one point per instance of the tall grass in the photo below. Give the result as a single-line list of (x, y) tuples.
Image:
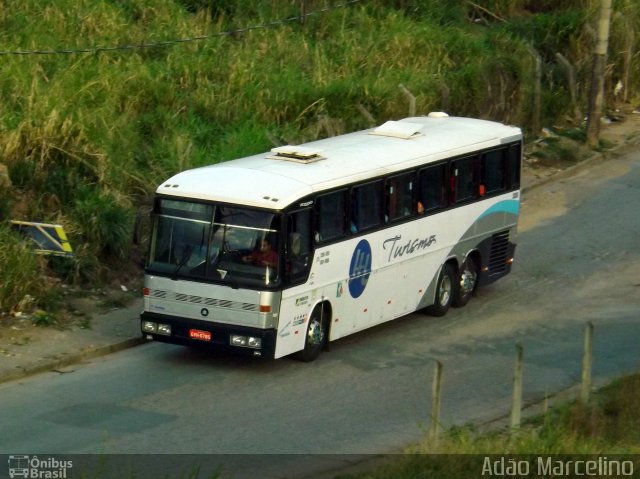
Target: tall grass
[(18, 270), (113, 125)]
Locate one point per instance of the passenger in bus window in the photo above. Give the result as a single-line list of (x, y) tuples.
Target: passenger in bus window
[(263, 255)]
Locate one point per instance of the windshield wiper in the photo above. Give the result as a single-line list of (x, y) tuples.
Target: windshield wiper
[(186, 256)]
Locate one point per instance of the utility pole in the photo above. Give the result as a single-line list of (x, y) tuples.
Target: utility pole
[(596, 94)]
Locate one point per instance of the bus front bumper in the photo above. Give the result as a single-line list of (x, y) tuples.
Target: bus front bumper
[(208, 334)]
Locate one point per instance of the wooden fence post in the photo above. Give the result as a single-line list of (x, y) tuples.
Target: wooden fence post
[(367, 114), (436, 395), (537, 92), (444, 98), (516, 405), (411, 97), (571, 82), (587, 356), (303, 11)]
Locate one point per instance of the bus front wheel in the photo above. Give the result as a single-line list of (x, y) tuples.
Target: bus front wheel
[(315, 337), (445, 292)]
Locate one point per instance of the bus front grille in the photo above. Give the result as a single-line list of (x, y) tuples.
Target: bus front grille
[(187, 298)]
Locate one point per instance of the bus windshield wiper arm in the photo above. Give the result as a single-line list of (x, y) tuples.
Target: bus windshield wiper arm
[(185, 258)]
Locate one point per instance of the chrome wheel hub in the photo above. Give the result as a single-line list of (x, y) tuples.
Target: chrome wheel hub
[(467, 281), (445, 290), (315, 333)]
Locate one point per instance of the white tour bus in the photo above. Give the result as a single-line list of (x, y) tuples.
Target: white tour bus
[(281, 252)]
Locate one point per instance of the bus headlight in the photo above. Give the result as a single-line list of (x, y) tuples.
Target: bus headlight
[(164, 329), (245, 341), (149, 327)]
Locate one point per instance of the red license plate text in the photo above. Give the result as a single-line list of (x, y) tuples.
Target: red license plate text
[(201, 335)]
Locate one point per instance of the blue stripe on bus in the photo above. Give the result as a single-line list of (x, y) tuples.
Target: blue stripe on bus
[(506, 206)]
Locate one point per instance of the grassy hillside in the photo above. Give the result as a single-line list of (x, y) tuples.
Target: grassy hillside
[(86, 136)]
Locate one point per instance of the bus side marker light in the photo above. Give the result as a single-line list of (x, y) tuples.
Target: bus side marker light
[(265, 308)]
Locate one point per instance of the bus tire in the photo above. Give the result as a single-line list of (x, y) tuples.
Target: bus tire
[(467, 282), (445, 292), (315, 337)]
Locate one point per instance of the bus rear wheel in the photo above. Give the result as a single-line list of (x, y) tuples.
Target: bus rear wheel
[(315, 337), (445, 292), (467, 282)]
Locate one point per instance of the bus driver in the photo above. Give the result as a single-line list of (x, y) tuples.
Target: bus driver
[(263, 255)]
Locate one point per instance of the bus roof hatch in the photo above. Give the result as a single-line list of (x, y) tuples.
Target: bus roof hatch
[(299, 154), (398, 129)]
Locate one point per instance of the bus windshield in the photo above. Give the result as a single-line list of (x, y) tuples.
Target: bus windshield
[(233, 245)]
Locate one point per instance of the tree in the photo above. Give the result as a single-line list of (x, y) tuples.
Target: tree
[(596, 93)]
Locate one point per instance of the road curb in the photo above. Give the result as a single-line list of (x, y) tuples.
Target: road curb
[(71, 359)]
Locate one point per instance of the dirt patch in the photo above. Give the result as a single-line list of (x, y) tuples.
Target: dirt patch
[(77, 310), (559, 149)]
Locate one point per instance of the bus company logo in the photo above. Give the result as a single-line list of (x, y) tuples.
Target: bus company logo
[(34, 467), (359, 269)]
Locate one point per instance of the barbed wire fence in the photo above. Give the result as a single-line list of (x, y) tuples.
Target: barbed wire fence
[(168, 43), (583, 393)]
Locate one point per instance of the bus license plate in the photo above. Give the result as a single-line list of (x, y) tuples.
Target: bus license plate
[(201, 335)]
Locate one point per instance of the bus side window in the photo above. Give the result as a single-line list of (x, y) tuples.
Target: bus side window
[(514, 165), (366, 206), (432, 189), (399, 197), (298, 259), (330, 216), (493, 172), (463, 179)]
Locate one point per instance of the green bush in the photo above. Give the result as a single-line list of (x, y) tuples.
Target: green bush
[(105, 224)]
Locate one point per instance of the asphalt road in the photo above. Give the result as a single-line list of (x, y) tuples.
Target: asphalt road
[(577, 260)]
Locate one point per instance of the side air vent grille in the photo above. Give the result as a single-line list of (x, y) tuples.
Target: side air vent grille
[(499, 252)]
